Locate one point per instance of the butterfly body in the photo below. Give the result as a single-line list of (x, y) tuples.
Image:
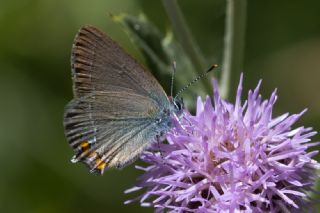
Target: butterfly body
[(118, 109)]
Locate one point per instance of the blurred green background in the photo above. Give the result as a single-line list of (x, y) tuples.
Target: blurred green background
[(282, 46)]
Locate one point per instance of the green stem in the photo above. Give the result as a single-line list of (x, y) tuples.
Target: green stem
[(184, 35), (233, 46)]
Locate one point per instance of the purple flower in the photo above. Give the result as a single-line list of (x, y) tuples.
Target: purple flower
[(231, 158)]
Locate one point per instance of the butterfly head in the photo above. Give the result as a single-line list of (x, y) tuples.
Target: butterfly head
[(177, 106)]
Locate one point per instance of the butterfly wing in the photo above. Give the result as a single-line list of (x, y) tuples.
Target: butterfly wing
[(112, 117)]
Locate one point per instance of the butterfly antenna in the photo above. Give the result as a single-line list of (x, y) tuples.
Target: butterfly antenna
[(174, 69), (196, 79)]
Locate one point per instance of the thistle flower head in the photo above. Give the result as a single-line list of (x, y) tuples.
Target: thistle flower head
[(231, 158)]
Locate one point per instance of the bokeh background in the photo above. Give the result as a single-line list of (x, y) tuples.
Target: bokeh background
[(282, 46)]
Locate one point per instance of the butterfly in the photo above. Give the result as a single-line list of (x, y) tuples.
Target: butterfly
[(119, 109)]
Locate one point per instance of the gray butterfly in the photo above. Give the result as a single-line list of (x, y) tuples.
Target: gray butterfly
[(118, 109)]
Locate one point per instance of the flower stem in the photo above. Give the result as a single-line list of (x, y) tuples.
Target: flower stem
[(184, 35), (233, 45)]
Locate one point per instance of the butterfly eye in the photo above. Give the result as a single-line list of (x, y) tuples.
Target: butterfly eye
[(178, 104)]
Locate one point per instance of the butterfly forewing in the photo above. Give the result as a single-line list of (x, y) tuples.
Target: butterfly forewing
[(112, 117)]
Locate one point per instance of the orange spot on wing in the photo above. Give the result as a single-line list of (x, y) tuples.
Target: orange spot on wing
[(100, 165), (85, 146)]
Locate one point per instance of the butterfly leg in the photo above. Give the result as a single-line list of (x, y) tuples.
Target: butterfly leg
[(189, 122), (180, 123)]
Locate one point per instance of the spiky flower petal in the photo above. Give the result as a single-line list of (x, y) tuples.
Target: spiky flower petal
[(231, 158)]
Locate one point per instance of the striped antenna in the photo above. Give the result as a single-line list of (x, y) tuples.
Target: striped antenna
[(196, 79), (174, 68)]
